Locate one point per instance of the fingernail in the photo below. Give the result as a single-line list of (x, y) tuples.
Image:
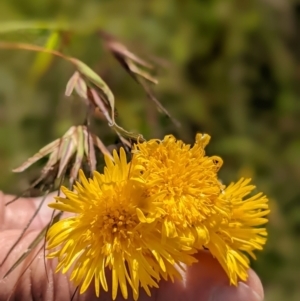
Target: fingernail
[(242, 292)]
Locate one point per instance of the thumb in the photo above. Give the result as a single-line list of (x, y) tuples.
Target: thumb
[(207, 281)]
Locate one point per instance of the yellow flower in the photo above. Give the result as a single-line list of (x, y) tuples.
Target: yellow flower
[(145, 219), (114, 229), (243, 233), (184, 185)]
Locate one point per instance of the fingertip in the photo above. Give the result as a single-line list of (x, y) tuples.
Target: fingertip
[(255, 284), (1, 209), (215, 283), (241, 292), (207, 281), (198, 283)]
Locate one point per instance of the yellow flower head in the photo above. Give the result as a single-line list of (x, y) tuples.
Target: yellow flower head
[(243, 233), (144, 219), (183, 182), (113, 229)]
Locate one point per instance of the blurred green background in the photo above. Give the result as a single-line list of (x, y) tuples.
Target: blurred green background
[(230, 69)]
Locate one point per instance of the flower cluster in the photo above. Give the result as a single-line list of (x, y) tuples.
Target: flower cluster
[(143, 220)]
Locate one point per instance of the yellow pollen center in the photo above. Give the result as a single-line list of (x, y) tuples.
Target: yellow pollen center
[(118, 223)]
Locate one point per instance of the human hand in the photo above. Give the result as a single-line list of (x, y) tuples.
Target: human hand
[(203, 281)]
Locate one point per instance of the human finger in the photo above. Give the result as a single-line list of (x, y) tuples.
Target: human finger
[(203, 281), (207, 281), (34, 278), (17, 214)]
